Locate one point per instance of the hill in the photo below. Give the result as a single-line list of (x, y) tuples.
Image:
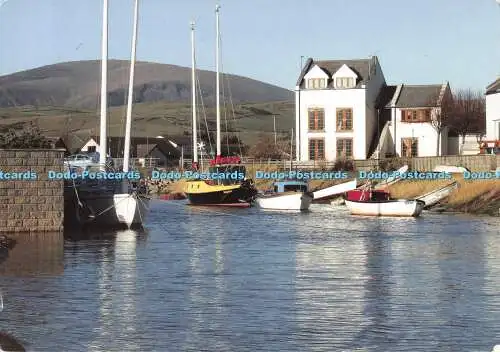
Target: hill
[(249, 120), (77, 84), (63, 99)]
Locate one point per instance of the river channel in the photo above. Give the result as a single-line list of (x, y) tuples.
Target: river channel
[(212, 279)]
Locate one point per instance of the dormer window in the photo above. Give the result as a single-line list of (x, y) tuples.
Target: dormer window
[(316, 83), (344, 82)]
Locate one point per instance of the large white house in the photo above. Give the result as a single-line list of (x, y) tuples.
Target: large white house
[(493, 111), (345, 109), (335, 108)]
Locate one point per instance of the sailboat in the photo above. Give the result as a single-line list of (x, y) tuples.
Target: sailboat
[(235, 190), (109, 203)]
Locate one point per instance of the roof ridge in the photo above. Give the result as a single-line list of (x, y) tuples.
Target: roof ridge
[(330, 60), (424, 85)]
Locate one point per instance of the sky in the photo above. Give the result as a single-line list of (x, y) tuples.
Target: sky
[(417, 42)]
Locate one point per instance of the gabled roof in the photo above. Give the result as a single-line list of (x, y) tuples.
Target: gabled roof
[(493, 87), (360, 66), (142, 145), (143, 150), (385, 96), (419, 96)]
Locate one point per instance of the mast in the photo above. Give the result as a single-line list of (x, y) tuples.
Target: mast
[(104, 89), (128, 123), (217, 93), (193, 89)]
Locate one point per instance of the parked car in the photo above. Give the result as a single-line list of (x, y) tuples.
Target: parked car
[(79, 160)]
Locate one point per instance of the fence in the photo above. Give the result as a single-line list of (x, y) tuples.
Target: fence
[(141, 162), (472, 162)]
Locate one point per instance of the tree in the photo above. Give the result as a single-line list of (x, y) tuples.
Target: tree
[(265, 148), (27, 138), (469, 114), (441, 117)]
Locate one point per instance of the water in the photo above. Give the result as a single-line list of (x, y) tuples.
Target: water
[(217, 280)]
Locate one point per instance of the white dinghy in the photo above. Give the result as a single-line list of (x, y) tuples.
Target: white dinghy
[(287, 195)]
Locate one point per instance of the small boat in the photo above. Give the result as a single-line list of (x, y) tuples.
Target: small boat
[(393, 179), (450, 169), (437, 195), (335, 190), (287, 195), (378, 203)]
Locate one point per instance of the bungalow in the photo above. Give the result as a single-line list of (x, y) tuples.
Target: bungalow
[(493, 111), (345, 109), (158, 149)]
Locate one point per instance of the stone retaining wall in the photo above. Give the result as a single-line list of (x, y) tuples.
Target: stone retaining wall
[(31, 205)]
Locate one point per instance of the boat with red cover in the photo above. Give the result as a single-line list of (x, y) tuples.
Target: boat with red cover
[(378, 203)]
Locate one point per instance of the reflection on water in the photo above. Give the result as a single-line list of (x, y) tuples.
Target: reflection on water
[(33, 255), (218, 280), (116, 290), (329, 287)]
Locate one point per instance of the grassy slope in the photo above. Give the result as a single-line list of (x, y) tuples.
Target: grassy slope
[(153, 119)]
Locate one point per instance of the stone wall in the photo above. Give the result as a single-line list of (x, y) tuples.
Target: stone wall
[(31, 205)]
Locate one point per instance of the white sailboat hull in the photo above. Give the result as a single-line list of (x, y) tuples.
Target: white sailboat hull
[(284, 201), (108, 210), (436, 196), (335, 190), (401, 207)]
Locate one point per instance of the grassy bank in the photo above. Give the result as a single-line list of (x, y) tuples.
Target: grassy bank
[(475, 197), (472, 196)]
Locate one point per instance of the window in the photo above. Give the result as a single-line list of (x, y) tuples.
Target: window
[(344, 119), (344, 82), (409, 147), (344, 147), (316, 149), (316, 119), (91, 149), (416, 115), (316, 83)]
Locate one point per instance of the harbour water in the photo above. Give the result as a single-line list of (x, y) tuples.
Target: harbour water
[(212, 279)]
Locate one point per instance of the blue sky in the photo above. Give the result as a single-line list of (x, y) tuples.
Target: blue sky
[(417, 42)]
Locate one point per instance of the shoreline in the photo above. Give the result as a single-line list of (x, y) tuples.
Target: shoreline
[(476, 197)]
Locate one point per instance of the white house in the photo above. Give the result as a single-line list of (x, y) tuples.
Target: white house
[(345, 109), (493, 111), (335, 108), (91, 146), (411, 129)]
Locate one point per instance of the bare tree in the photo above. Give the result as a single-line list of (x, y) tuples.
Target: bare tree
[(469, 114), (441, 118), (265, 148)]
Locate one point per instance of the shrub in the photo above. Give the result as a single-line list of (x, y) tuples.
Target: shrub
[(391, 164), (343, 165), (27, 138)]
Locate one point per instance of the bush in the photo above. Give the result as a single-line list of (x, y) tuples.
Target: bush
[(27, 138), (391, 164), (343, 165)]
